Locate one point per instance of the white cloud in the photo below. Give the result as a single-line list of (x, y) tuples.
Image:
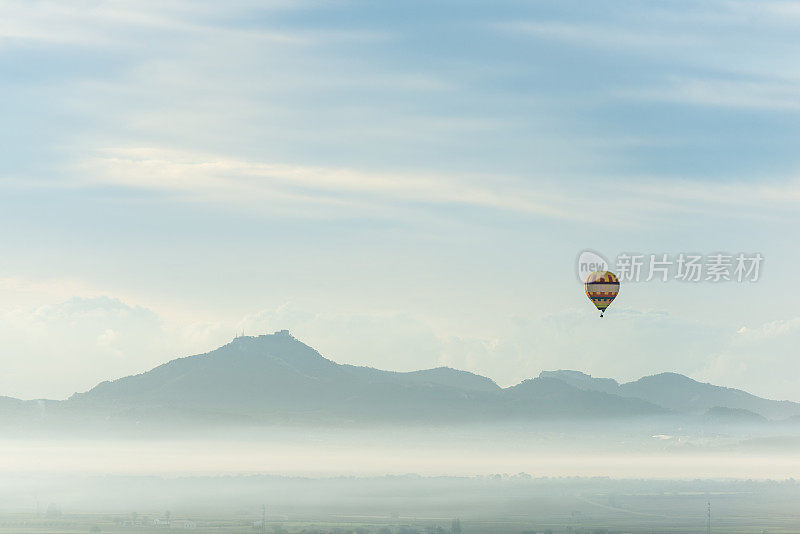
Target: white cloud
[(107, 338), (593, 35), (780, 95), (719, 54), (55, 350), (120, 23), (761, 359), (324, 192), (768, 330), (196, 110), (213, 178), (19, 291)]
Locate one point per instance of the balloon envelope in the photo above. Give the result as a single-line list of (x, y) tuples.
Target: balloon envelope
[(601, 288)]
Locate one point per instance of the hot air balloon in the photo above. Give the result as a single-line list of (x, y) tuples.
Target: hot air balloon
[(601, 288)]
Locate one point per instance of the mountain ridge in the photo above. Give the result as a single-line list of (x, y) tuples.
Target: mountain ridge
[(680, 393), (276, 377)]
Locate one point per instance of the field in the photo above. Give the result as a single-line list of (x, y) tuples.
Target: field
[(405, 505)]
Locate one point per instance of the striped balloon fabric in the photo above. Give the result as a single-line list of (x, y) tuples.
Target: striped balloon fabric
[(601, 288)]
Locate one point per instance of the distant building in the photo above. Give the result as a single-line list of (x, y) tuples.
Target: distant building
[(174, 523), (53, 510)]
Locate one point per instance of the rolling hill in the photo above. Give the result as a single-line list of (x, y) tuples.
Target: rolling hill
[(680, 393), (277, 378)]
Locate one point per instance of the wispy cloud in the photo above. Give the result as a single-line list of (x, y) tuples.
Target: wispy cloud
[(100, 337), (778, 95), (721, 54), (115, 23), (556, 124), (209, 178), (769, 330), (594, 35), (337, 192)]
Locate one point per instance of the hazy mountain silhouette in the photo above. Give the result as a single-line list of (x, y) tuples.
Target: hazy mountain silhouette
[(583, 381), (280, 378), (561, 398), (722, 414), (680, 393), (276, 378)]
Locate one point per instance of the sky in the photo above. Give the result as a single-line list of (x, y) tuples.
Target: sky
[(402, 185)]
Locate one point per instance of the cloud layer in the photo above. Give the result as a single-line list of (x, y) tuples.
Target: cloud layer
[(415, 187)]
